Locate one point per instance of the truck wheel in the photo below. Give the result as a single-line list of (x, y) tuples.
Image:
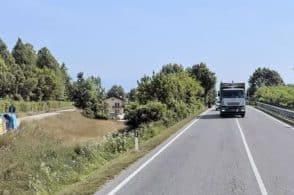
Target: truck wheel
[(242, 115)]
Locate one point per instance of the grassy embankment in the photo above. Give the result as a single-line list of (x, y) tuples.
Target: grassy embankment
[(43, 155), (71, 154)]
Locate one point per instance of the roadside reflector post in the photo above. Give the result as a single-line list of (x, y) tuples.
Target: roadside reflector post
[(136, 139)]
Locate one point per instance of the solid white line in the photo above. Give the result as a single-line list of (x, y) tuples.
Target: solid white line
[(273, 118), (252, 163), (127, 179)]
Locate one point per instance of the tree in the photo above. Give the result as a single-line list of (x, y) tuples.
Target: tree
[(132, 95), (263, 77), (67, 81), (169, 95), (24, 53), (45, 59), (116, 91), (5, 54), (168, 88), (172, 68), (206, 77), (22, 79), (87, 94), (3, 77), (211, 96)]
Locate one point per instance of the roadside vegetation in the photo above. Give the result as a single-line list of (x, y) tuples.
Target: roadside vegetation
[(34, 107), (43, 155), (276, 95), (263, 77), (31, 76), (266, 85)]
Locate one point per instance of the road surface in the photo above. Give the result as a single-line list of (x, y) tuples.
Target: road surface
[(213, 155)]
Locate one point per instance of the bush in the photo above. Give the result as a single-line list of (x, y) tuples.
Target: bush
[(276, 95), (152, 111), (26, 106)]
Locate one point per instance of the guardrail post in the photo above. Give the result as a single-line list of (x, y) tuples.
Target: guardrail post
[(136, 139)]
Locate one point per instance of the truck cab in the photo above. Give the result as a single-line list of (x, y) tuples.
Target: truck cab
[(232, 99)]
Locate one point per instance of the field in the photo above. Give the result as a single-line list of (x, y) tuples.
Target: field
[(47, 152), (73, 128)]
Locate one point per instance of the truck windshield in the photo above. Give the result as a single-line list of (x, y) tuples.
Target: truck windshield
[(233, 94)]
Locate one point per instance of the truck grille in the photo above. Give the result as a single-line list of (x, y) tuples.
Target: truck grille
[(233, 103)]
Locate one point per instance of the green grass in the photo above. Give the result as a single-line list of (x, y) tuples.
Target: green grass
[(91, 183), (43, 155), (28, 107)]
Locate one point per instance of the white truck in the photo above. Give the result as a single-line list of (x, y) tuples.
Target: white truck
[(232, 99)]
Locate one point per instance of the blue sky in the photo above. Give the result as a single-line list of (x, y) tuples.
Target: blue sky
[(120, 41)]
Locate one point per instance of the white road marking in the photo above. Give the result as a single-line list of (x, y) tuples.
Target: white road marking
[(273, 118), (127, 179), (252, 163)]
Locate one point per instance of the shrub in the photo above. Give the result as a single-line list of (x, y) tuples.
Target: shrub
[(26, 106), (276, 95), (152, 111)]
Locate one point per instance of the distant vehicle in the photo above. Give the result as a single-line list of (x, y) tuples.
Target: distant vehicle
[(232, 99)]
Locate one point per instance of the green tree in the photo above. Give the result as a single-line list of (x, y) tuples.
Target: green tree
[(172, 68), (48, 86), (263, 77), (46, 59), (169, 95), (116, 91), (206, 77), (88, 95), (5, 54), (132, 95), (24, 54), (3, 77), (27, 76), (211, 96), (67, 82)]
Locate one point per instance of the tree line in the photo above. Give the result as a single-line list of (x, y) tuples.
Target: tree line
[(174, 92), (32, 76)]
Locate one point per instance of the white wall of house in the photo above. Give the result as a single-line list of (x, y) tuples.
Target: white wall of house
[(115, 107)]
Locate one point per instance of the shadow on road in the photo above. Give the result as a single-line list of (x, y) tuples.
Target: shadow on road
[(217, 116), (210, 116)]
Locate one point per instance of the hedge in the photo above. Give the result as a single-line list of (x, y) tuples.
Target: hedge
[(277, 95), (26, 106)]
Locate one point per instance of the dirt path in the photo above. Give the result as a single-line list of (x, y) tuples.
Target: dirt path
[(44, 115)]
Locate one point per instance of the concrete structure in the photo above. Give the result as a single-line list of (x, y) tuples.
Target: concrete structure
[(115, 107)]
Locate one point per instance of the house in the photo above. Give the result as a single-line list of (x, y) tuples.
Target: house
[(115, 107)]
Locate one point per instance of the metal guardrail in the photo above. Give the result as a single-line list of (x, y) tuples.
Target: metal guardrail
[(281, 112)]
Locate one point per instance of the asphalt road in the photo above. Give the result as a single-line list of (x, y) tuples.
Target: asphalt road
[(251, 155)]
